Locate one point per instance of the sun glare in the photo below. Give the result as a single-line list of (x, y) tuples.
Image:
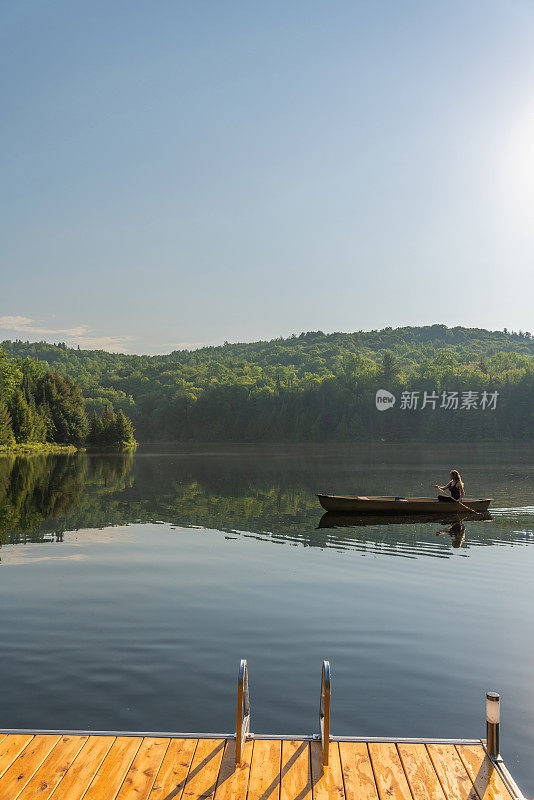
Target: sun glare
[(517, 172)]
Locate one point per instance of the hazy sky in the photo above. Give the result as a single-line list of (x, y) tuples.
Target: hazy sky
[(180, 173)]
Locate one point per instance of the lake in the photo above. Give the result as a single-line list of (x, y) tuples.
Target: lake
[(131, 585)]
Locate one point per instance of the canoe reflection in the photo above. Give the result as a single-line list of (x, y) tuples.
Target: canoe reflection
[(334, 520)]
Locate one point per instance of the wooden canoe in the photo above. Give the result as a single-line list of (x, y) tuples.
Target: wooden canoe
[(399, 505)]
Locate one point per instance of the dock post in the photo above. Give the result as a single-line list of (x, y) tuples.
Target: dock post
[(493, 723)]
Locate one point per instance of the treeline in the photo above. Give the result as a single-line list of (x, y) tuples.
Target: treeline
[(39, 407), (312, 387)]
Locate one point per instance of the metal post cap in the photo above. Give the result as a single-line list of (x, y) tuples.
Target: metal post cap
[(495, 696)]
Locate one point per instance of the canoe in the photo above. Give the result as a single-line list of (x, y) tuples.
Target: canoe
[(400, 505)]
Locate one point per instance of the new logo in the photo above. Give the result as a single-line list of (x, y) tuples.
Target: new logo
[(384, 400)]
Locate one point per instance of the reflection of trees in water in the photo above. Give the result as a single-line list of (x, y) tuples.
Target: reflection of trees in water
[(34, 489), (266, 493), (41, 491)]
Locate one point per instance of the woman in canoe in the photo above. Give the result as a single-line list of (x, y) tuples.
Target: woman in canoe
[(455, 487)]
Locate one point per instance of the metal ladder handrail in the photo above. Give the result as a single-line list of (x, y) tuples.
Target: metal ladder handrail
[(243, 711), (324, 711)]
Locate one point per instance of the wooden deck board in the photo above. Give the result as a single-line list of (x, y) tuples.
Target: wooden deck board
[(50, 766), (53, 768), (232, 783), (295, 771), (10, 748), (264, 780), (327, 782), (107, 781), (143, 770), (83, 769), (357, 771), (25, 765), (451, 772), (419, 770), (204, 771), (172, 775), (488, 783), (390, 778)]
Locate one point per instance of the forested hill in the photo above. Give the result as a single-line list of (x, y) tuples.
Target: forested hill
[(310, 387)]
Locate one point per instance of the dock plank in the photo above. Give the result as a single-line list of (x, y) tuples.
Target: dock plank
[(264, 780), (203, 773), (327, 782), (143, 770), (172, 774), (357, 771), (10, 748), (53, 768), (25, 765), (451, 772), (422, 777), (295, 771), (232, 783), (107, 782), (83, 768), (389, 774), (486, 780)]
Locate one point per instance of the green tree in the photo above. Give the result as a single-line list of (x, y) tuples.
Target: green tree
[(21, 421), (94, 437), (390, 366), (109, 426), (10, 376), (6, 432), (66, 406), (124, 430)]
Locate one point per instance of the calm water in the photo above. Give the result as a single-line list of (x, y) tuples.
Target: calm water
[(130, 587)]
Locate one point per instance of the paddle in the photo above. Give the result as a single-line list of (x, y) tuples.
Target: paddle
[(459, 502)]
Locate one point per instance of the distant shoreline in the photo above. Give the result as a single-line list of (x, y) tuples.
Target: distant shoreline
[(46, 448), (38, 448)]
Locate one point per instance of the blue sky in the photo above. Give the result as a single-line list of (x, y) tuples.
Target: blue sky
[(183, 173)]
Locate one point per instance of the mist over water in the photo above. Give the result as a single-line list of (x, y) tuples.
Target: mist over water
[(131, 585)]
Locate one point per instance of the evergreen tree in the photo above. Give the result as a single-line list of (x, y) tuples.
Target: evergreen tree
[(66, 407), (95, 430), (10, 376), (124, 430), (111, 430), (38, 422), (6, 433), (390, 366), (21, 421), (109, 426)]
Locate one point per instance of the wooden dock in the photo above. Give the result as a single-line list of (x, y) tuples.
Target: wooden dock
[(77, 766), (100, 765)]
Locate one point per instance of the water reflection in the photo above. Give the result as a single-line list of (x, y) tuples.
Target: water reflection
[(455, 522), (40, 494), (270, 495), (333, 519), (456, 531)]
